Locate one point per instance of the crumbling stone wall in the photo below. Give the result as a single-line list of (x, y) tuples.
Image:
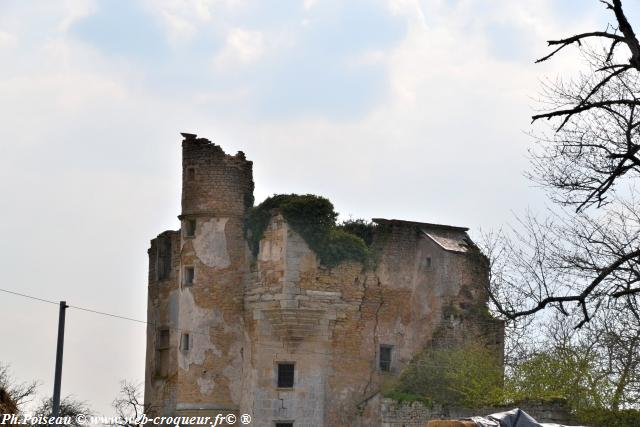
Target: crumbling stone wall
[(246, 314), (162, 312)]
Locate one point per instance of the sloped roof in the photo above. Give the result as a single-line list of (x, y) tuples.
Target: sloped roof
[(449, 237), (452, 241)]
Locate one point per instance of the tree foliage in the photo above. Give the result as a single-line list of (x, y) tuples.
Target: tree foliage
[(361, 228), (566, 373), (467, 375), (593, 370)]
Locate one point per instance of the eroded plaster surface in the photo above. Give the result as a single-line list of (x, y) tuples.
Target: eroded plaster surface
[(210, 243), (196, 321)]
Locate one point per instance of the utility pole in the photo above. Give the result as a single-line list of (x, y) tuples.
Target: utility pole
[(58, 375)]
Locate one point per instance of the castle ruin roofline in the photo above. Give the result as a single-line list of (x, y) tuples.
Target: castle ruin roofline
[(166, 233), (192, 139), (449, 237), (422, 225)]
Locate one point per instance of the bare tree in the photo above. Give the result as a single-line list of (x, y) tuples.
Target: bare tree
[(568, 262), (19, 393), (582, 263), (504, 270), (70, 408), (129, 405), (589, 259), (593, 330), (596, 139)]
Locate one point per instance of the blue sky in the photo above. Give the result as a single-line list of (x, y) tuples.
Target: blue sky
[(308, 69), (391, 108)]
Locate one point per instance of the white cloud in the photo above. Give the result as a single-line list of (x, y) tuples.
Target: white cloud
[(7, 40), (242, 47), (179, 28), (203, 9), (367, 58), (184, 19), (74, 11)]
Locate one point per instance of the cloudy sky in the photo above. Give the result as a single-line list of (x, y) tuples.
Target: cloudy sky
[(412, 109)]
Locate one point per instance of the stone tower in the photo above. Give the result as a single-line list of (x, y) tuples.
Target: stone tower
[(196, 286)]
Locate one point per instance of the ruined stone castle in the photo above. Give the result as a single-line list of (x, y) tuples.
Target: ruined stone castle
[(278, 335)]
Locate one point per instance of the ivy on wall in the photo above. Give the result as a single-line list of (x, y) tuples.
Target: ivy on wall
[(314, 218)]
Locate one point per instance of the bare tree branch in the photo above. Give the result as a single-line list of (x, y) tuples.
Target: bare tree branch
[(593, 115), (577, 39)]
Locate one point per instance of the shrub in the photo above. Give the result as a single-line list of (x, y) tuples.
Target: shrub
[(569, 373), (361, 228), (468, 375), (400, 396), (314, 218), (610, 418)]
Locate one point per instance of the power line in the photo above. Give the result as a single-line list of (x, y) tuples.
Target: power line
[(104, 313), (29, 296), (75, 306), (109, 314)]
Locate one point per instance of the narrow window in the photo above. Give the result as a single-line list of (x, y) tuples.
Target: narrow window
[(385, 357), (185, 344), (427, 262), (190, 228), (162, 352), (189, 274), (163, 257), (162, 363), (163, 338), (284, 424), (191, 174), (285, 375)]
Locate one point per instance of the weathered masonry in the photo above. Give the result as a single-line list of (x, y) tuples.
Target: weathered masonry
[(278, 335)]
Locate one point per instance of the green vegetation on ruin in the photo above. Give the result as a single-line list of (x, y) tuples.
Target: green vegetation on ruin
[(315, 219), (467, 375), (404, 397)]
